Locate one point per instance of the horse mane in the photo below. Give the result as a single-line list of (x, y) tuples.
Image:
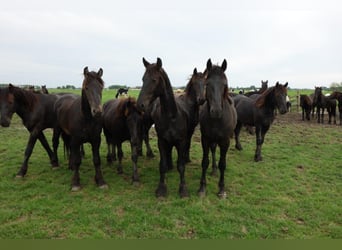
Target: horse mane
[(28, 98), (260, 101), (122, 105)]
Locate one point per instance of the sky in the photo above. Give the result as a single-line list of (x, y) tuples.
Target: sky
[(50, 42)]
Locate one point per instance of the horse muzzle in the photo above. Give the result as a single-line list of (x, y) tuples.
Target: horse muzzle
[(216, 113), (96, 112), (5, 123)]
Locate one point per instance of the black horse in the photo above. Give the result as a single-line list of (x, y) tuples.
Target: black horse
[(264, 86), (217, 121), (305, 103), (323, 102), (174, 119), (259, 112), (79, 118), (121, 91), (36, 112), (123, 121), (338, 96)]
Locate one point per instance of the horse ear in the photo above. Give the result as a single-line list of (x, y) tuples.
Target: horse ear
[(100, 72), (10, 87), (146, 63), (277, 84), (159, 63), (286, 84), (195, 71), (224, 65), (209, 65), (85, 71)]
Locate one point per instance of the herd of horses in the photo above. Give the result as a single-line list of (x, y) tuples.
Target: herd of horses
[(206, 101), (318, 100)]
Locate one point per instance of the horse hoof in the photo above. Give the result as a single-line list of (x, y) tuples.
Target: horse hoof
[(75, 188), (201, 194), (222, 195), (184, 194), (135, 183), (238, 147), (55, 167), (19, 176), (213, 173), (104, 186), (161, 191)]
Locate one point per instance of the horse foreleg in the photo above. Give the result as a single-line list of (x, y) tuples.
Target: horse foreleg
[(55, 142), (213, 159), (28, 151), (120, 155), (95, 147), (134, 157), (260, 136), (74, 164), (161, 190), (205, 164), (222, 166), (149, 152)]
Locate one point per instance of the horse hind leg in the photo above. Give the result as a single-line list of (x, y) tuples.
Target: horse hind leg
[(237, 136), (181, 151)]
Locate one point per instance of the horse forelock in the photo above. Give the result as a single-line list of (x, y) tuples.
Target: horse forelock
[(92, 76)]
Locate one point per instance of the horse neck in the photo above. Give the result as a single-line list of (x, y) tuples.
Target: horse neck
[(167, 99), (270, 103), (85, 107)]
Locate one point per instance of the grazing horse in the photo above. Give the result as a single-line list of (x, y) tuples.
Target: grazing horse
[(323, 102), (79, 118), (338, 96), (259, 112), (217, 122), (123, 121), (174, 119), (121, 91), (306, 105), (36, 112)]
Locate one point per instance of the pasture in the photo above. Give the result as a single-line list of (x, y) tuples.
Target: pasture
[(294, 193)]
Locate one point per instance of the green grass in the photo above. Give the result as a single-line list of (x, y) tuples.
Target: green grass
[(294, 193)]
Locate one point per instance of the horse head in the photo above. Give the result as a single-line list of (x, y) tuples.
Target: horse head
[(216, 88), (92, 91), (280, 94), (7, 105), (153, 83), (196, 86)]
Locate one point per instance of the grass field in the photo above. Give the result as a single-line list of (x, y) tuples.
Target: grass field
[(294, 193)]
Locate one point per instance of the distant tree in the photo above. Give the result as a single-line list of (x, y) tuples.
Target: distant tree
[(336, 86)]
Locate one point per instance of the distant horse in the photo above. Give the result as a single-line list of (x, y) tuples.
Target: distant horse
[(174, 119), (264, 86), (217, 122), (305, 103), (44, 90), (79, 118), (123, 121), (323, 102), (37, 113), (121, 91), (259, 112), (338, 96)]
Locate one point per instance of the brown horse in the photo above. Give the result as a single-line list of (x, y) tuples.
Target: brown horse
[(174, 119), (338, 96), (79, 118), (259, 112), (306, 105), (36, 112), (123, 121), (323, 102), (217, 121)]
